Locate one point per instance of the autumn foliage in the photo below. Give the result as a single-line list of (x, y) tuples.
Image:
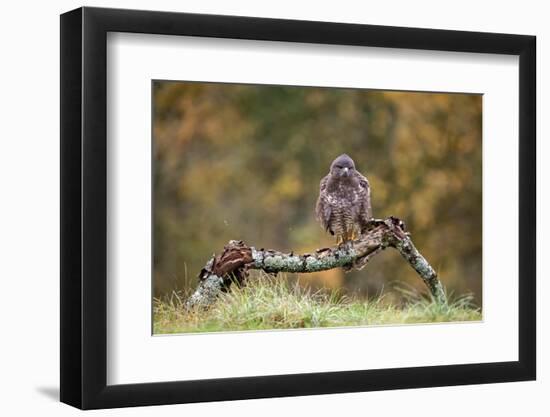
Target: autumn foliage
[(244, 162)]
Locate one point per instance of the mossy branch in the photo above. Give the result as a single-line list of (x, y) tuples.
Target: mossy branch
[(233, 264)]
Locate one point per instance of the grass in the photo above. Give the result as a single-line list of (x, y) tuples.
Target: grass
[(273, 303)]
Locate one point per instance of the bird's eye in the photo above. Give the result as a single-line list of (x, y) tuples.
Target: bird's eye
[(338, 166)]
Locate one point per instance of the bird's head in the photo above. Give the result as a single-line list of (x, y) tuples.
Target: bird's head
[(342, 166)]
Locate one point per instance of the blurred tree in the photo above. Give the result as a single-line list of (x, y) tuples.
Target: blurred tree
[(244, 162)]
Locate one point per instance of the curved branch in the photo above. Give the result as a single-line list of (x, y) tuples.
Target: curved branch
[(233, 264)]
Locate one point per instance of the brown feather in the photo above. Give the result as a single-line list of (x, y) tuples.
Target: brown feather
[(344, 206)]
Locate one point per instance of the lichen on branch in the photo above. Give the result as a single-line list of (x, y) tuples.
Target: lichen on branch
[(233, 264)]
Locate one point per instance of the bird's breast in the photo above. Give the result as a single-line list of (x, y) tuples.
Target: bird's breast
[(343, 196)]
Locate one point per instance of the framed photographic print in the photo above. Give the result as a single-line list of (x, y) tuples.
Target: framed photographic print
[(258, 207)]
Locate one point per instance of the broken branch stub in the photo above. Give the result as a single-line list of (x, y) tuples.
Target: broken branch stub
[(233, 264)]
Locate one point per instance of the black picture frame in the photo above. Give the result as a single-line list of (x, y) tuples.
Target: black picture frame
[(84, 207)]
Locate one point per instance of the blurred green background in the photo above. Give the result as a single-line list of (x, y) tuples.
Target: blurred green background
[(244, 162)]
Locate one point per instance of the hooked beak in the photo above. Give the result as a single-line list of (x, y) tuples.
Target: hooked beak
[(346, 172)]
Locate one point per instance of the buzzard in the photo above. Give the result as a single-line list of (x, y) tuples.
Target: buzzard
[(343, 207)]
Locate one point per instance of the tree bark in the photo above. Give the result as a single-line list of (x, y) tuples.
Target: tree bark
[(233, 264)]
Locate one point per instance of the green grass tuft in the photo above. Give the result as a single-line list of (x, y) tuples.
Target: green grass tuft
[(272, 303)]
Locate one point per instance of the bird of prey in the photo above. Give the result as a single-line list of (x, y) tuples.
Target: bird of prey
[(344, 207)]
